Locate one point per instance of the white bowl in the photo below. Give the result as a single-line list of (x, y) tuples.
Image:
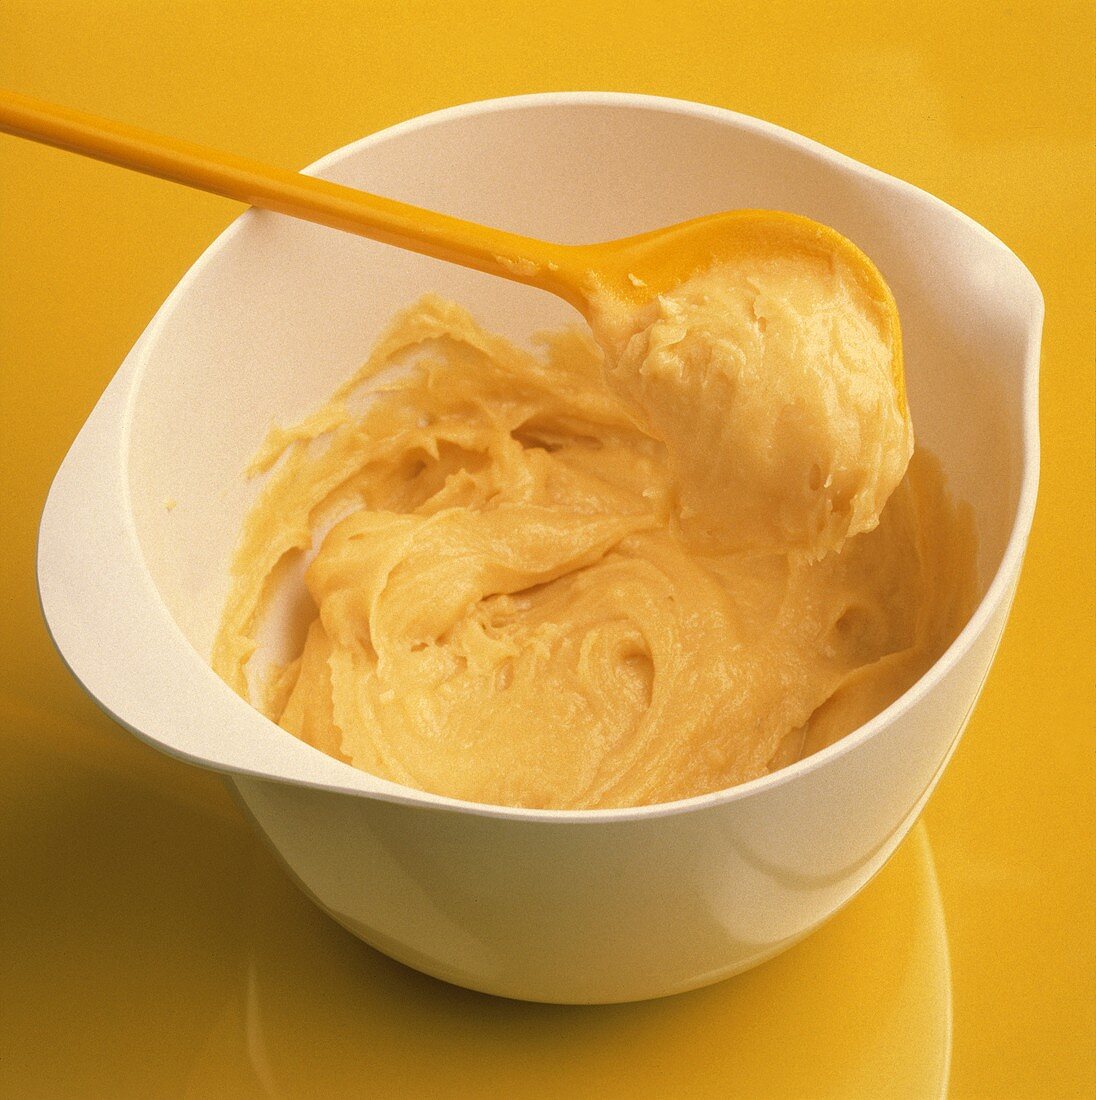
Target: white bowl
[(565, 906)]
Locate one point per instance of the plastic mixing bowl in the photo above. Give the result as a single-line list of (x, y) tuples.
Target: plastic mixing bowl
[(567, 906)]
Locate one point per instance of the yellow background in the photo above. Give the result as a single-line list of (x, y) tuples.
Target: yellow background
[(150, 946)]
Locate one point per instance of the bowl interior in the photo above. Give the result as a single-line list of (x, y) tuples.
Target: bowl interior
[(278, 312)]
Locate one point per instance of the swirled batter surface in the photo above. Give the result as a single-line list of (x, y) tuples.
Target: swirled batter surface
[(507, 598)]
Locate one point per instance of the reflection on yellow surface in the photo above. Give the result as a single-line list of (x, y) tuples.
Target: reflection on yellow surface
[(211, 975)]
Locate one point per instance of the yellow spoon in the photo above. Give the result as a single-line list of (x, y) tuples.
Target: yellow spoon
[(629, 272)]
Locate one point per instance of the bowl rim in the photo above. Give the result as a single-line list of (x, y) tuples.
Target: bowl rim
[(997, 592)]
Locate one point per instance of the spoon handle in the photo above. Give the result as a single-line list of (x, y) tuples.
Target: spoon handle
[(522, 259)]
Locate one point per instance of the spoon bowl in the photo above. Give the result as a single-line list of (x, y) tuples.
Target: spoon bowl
[(629, 272)]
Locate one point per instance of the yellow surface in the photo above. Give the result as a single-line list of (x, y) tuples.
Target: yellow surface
[(147, 944)]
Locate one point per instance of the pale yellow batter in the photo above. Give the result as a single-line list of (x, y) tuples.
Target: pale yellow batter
[(505, 603), (770, 380)]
